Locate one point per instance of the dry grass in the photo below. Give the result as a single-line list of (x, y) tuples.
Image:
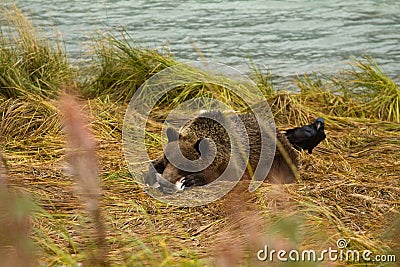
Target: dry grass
[(349, 186)]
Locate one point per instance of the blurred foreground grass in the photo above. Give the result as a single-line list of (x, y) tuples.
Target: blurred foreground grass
[(349, 186)]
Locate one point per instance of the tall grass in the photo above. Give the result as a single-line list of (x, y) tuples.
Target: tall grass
[(262, 77), (29, 64), (120, 67), (32, 70), (363, 91), (378, 92)]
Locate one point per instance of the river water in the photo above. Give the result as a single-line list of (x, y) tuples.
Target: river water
[(288, 37)]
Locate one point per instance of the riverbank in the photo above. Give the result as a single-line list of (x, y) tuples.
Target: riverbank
[(349, 186)]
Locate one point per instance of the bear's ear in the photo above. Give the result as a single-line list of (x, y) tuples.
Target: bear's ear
[(172, 134), (202, 146)]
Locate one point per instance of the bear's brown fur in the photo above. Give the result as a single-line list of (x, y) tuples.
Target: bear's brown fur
[(204, 134)]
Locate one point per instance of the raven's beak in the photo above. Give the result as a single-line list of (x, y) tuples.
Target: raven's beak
[(318, 125)]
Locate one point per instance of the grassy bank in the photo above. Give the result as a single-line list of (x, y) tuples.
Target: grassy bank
[(349, 186)]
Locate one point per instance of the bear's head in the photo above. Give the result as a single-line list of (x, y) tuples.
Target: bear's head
[(184, 155)]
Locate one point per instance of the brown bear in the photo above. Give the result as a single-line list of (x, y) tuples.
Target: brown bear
[(206, 145)]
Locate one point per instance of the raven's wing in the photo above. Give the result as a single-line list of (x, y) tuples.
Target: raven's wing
[(290, 131), (300, 134)]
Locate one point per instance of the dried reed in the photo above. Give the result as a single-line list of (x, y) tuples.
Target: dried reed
[(83, 165)]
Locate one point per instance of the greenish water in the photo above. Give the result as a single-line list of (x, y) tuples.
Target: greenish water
[(289, 37)]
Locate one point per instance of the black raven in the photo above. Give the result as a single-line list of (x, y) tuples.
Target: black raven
[(307, 137)]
